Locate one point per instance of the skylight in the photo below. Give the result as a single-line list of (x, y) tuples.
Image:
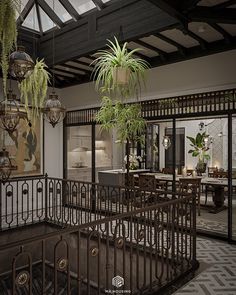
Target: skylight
[(31, 20), (47, 23), (83, 6), (59, 10)]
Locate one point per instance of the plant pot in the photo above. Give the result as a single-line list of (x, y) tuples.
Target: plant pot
[(121, 76), (201, 168)]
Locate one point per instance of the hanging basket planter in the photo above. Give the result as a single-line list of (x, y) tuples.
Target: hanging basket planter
[(121, 76)]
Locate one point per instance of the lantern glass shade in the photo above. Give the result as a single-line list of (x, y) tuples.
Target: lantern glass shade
[(21, 64), (166, 142), (11, 112), (54, 111), (6, 165)]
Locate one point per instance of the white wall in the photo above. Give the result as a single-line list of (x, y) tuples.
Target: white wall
[(208, 73), (53, 142)]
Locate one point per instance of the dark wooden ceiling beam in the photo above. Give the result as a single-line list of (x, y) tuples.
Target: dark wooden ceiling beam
[(139, 19), (99, 4), (172, 42), (25, 12), (212, 15), (49, 11), (224, 33), (162, 53), (170, 7), (70, 9), (225, 4), (66, 72), (194, 36), (80, 62), (187, 5), (75, 69)]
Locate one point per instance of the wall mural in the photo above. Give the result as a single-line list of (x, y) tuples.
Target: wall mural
[(25, 146)]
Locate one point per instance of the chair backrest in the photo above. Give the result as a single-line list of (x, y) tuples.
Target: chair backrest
[(190, 185), (167, 170), (212, 169), (220, 174), (147, 182)]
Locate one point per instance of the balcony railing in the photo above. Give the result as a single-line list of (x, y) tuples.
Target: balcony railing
[(102, 239), (201, 103)]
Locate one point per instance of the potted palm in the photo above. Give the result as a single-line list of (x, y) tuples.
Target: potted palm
[(200, 149), (117, 70)]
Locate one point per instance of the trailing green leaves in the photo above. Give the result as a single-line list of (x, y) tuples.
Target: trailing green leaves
[(8, 33), (125, 118), (34, 88)]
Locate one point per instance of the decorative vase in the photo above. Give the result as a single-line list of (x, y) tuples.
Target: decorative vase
[(121, 75), (201, 168)]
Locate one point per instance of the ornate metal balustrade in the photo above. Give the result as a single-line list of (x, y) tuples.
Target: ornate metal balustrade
[(110, 238), (207, 103)]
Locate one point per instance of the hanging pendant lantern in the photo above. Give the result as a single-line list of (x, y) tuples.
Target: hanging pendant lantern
[(6, 166), (54, 111), (11, 112), (21, 64), (166, 142)]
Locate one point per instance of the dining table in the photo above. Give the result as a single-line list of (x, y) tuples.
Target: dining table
[(218, 185)]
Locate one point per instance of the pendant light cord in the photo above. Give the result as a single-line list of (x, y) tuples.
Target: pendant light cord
[(53, 52)]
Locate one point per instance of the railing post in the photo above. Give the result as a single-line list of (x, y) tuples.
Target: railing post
[(194, 231), (0, 205), (46, 197)]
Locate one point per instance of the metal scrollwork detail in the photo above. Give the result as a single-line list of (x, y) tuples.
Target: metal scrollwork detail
[(119, 242), (94, 251), (22, 278), (62, 264), (25, 192), (9, 193), (141, 234), (39, 190)]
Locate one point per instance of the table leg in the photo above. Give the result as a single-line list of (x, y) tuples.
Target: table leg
[(218, 199)]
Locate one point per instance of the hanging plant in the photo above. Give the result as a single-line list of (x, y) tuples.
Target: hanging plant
[(8, 33), (126, 118), (33, 90), (117, 71)]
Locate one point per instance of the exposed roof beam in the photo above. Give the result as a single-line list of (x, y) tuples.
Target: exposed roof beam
[(189, 4), (71, 10), (225, 4), (66, 72), (162, 53), (139, 19), (75, 68), (49, 11), (201, 41), (25, 12), (99, 4), (212, 15), (225, 34), (139, 54), (172, 42), (169, 6), (80, 62)]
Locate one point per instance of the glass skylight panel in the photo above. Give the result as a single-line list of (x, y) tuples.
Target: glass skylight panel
[(105, 1), (47, 23), (83, 6), (31, 20), (59, 10)]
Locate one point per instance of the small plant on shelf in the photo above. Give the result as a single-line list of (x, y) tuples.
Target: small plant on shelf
[(117, 71), (200, 149)]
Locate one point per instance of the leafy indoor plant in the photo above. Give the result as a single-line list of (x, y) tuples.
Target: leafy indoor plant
[(199, 149), (8, 33), (117, 70), (34, 88)]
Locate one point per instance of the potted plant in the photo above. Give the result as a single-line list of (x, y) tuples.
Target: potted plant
[(117, 70), (8, 33), (199, 149)]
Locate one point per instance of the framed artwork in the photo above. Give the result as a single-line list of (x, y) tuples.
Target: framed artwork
[(25, 146)]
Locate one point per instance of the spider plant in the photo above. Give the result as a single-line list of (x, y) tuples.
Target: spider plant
[(118, 62), (8, 33), (33, 90)]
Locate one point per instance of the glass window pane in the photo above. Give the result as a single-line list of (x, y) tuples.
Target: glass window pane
[(47, 23), (83, 6), (59, 10), (31, 20)]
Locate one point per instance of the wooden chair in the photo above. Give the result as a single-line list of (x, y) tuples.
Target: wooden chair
[(193, 186), (167, 170), (209, 188), (147, 182)]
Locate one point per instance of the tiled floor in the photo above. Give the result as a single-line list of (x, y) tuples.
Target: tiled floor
[(219, 278)]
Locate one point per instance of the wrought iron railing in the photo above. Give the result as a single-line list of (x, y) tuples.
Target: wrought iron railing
[(202, 103), (114, 239)]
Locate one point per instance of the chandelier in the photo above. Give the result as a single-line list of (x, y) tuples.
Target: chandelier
[(6, 166), (54, 112), (21, 64), (11, 112)]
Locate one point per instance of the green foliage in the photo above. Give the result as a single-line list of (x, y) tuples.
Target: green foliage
[(125, 118), (8, 33), (34, 88), (198, 147), (119, 57)]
